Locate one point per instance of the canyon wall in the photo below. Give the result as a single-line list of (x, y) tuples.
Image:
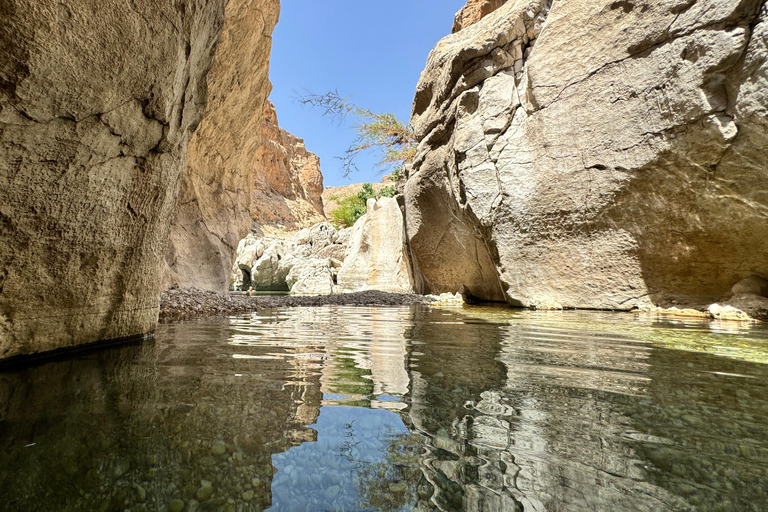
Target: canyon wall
[(594, 154), (98, 103), (213, 211), (286, 180)]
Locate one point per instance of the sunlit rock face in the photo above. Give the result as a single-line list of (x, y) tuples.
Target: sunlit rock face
[(594, 154), (377, 258), (305, 263), (286, 178), (474, 11), (98, 102), (213, 214)]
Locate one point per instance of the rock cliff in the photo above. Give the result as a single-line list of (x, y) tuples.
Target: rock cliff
[(286, 179), (595, 154), (98, 101), (214, 204)]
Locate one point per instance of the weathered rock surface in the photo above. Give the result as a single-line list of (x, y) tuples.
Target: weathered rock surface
[(594, 154), (287, 182), (213, 211), (755, 285), (98, 101), (474, 11), (377, 258), (267, 263)]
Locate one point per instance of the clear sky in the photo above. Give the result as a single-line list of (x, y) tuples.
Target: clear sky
[(371, 51)]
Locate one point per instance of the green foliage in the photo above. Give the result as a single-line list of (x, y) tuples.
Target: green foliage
[(384, 133), (395, 174), (349, 210), (353, 207), (366, 193)]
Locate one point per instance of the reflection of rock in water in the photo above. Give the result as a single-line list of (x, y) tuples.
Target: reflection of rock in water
[(547, 432), (136, 427), (716, 418), (453, 361)]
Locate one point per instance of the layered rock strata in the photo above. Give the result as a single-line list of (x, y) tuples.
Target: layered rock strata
[(213, 211), (594, 154), (98, 102), (286, 179)]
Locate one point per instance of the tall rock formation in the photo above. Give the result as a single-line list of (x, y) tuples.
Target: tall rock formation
[(213, 212), (286, 179), (377, 258), (98, 103), (595, 153)]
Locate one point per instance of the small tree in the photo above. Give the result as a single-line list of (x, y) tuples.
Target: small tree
[(393, 139)]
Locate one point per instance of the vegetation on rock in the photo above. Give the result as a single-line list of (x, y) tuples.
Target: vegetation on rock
[(353, 207)]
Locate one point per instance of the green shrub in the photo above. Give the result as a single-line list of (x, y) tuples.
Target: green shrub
[(352, 208), (349, 210)]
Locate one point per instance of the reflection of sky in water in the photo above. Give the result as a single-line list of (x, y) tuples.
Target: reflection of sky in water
[(329, 474)]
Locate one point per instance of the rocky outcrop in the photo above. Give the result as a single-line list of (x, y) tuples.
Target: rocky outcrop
[(213, 211), (98, 101), (268, 263), (286, 179), (594, 154), (377, 258), (320, 260), (474, 11)]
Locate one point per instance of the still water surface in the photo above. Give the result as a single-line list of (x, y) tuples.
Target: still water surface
[(396, 408)]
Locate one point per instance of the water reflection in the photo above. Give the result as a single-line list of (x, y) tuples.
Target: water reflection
[(396, 408)]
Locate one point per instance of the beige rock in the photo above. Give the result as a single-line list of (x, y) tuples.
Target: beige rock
[(332, 195), (272, 263), (213, 212), (98, 101), (727, 312), (473, 12), (287, 182), (754, 285), (756, 306), (377, 258), (311, 276), (599, 154)]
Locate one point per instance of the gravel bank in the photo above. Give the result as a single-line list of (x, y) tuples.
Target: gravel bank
[(188, 303)]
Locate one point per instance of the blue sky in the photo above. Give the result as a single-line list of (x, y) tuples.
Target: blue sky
[(371, 51)]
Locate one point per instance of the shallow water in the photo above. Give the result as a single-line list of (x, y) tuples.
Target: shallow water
[(396, 408)]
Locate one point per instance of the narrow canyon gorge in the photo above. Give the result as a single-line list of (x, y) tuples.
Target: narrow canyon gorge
[(571, 155)]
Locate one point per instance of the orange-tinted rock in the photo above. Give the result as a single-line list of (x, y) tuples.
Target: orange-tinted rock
[(213, 211), (286, 179), (474, 11)]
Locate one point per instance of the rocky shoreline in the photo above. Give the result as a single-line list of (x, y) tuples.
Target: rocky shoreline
[(180, 304)]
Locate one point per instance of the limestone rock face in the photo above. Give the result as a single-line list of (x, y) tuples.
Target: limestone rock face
[(286, 178), (98, 102), (474, 11), (376, 257), (213, 211), (594, 154), (268, 263)]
